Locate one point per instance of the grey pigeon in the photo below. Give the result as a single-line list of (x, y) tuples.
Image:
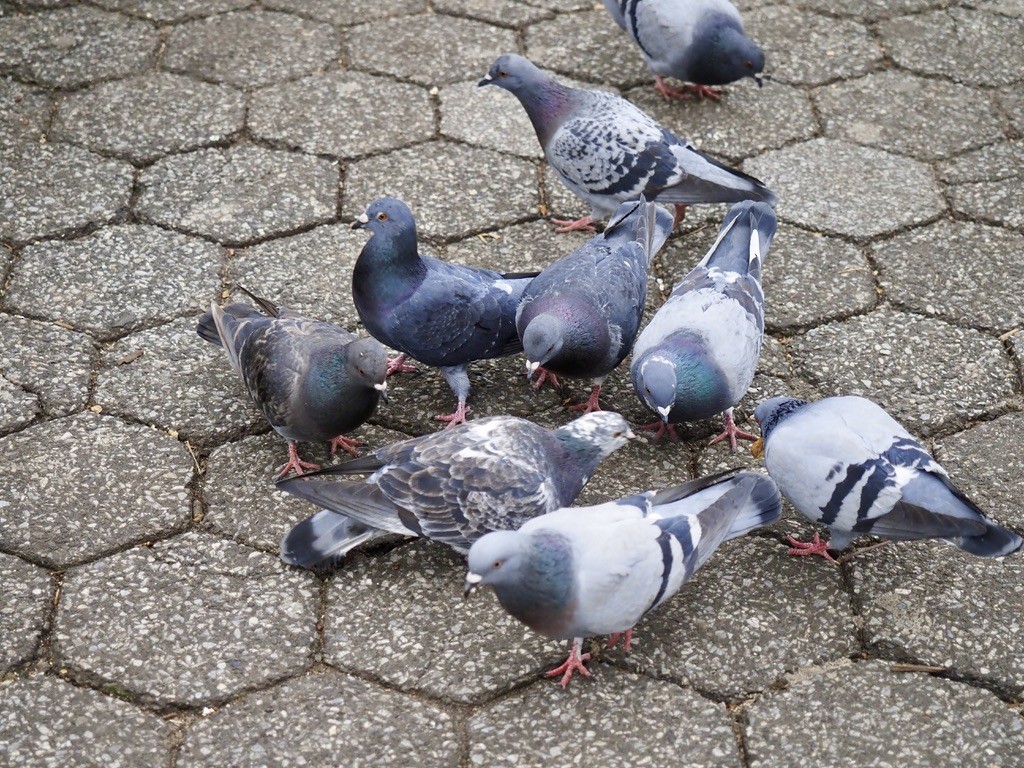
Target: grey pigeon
[(699, 41), (847, 464), (579, 317), (697, 356), (607, 151), (598, 570), (444, 315), (313, 381), (452, 486)]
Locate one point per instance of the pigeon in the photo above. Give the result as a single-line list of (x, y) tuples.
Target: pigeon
[(444, 315), (453, 486), (700, 41), (847, 464), (598, 570), (697, 356), (608, 151), (579, 317), (313, 381)]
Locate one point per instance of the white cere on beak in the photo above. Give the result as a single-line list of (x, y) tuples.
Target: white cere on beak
[(473, 578), (630, 434), (665, 411), (531, 368), (382, 387), (362, 218)]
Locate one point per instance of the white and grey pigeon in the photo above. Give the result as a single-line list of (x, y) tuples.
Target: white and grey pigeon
[(598, 570), (313, 381), (608, 151), (847, 464), (452, 486), (444, 315), (697, 356), (580, 316), (699, 41)]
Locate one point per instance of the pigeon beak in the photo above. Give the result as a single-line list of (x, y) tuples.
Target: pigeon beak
[(531, 368), (665, 411), (361, 221), (383, 389), (759, 80), (487, 80), (757, 449), (630, 434), (472, 582)]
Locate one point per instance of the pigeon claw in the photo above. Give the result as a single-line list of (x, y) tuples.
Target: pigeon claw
[(545, 376), (732, 432), (454, 419), (347, 444), (294, 463), (626, 637), (398, 365), (813, 547), (575, 663), (573, 225), (660, 428), (688, 91), (591, 404)]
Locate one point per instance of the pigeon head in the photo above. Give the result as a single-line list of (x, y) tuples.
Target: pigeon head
[(726, 57), (514, 73), (656, 384), (388, 217), (770, 413), (368, 360), (601, 433), (495, 560), (542, 340)]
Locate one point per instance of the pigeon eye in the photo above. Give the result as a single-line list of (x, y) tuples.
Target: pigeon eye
[(503, 73), (618, 434), (497, 563), (748, 64), (382, 216)]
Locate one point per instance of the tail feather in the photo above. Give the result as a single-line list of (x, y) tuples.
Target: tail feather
[(362, 502), (744, 238), (995, 542), (709, 181), (320, 541)]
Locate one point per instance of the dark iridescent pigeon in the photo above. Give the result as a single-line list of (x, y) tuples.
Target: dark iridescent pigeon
[(579, 317), (847, 464), (313, 381), (598, 570), (444, 315), (697, 356), (699, 41), (452, 486), (607, 151)]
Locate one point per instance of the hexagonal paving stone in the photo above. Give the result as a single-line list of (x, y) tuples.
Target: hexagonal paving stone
[(452, 190), (310, 273), (240, 494), (661, 724), (986, 184), (937, 270), (57, 189), (904, 362), (240, 194), (505, 13), (487, 117), (347, 114), (174, 380), (840, 188), (1012, 102), (746, 121), (401, 617), (250, 48), (53, 363), (868, 10), (87, 485), (73, 46), (139, 118), (173, 10), (962, 44), (588, 46), (28, 591), (46, 721), (809, 48), (211, 617), (299, 722), (429, 49), (810, 278), (865, 714), (899, 112), (748, 617), (520, 248), (980, 464), (115, 280), (24, 112), (18, 406), (347, 12)]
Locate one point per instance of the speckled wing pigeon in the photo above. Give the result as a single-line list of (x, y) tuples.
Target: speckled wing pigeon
[(579, 317), (313, 381), (697, 356), (699, 41), (444, 315), (607, 151), (598, 570), (455, 485), (847, 464)]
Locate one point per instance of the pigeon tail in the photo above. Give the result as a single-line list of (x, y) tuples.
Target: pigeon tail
[(995, 542), (206, 327), (364, 503), (320, 541)]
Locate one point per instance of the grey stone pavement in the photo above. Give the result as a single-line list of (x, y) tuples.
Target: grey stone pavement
[(153, 153)]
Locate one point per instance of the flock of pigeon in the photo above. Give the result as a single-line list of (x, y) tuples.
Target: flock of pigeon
[(498, 489)]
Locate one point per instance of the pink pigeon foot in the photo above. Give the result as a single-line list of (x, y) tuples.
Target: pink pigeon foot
[(545, 375), (397, 365), (294, 463), (592, 404), (453, 419), (688, 91), (659, 428), (732, 432), (347, 444), (573, 225), (627, 640), (572, 664), (680, 214), (813, 547)]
